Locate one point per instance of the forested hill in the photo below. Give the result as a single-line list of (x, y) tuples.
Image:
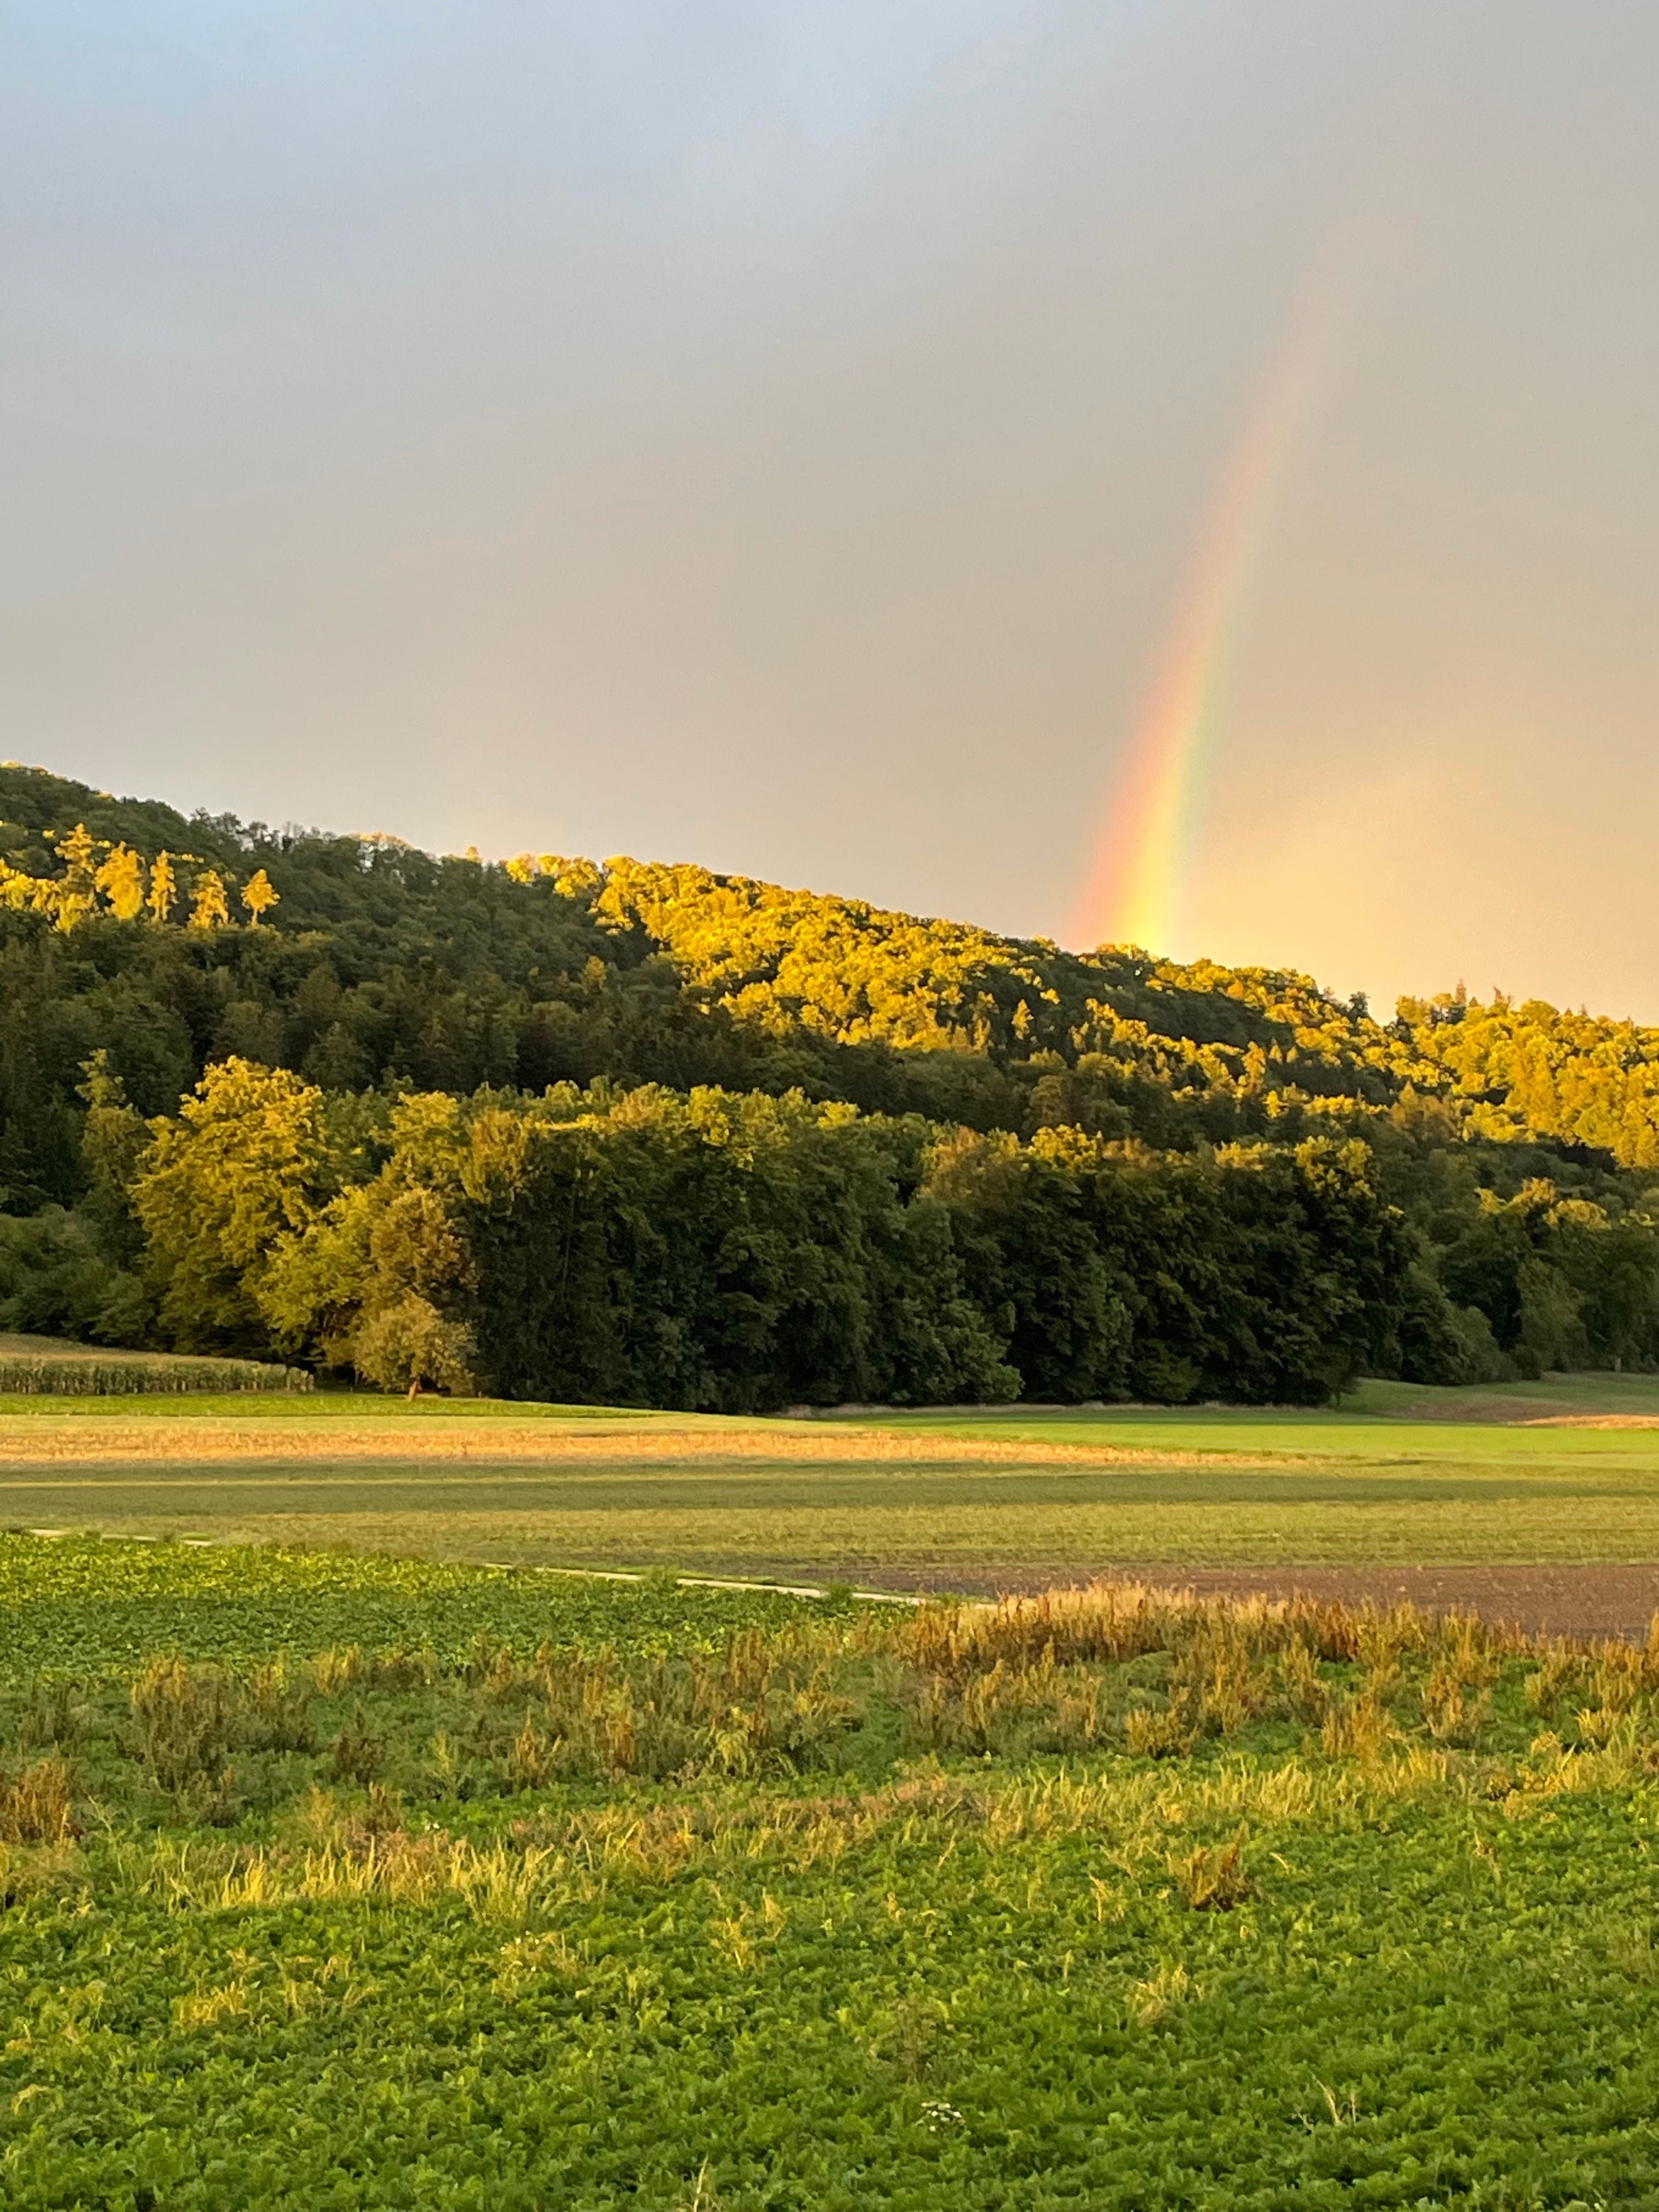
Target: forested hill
[(381, 960), (140, 949)]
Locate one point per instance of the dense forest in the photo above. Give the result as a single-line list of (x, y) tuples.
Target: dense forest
[(641, 1133)]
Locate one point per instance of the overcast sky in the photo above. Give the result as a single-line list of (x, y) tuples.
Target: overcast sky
[(779, 436)]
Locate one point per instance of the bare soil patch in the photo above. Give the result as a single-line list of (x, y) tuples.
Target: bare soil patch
[(1546, 1600)]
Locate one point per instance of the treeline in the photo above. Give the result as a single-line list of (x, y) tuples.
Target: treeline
[(1077, 1175), (730, 1251)]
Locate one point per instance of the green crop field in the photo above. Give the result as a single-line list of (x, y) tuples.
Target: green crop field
[(345, 1882), (1397, 1476)]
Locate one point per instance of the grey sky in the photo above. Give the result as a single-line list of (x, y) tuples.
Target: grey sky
[(777, 436)]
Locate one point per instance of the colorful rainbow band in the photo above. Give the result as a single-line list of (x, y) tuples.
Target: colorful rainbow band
[(1133, 891)]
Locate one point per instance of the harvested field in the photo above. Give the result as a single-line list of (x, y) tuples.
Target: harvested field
[(104, 1441)]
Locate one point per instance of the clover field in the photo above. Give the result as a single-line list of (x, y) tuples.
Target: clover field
[(336, 1882)]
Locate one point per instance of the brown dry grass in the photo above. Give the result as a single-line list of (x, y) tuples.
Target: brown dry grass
[(1593, 1421)]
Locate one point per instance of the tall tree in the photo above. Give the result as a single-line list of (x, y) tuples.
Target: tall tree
[(246, 1159), (259, 894), (208, 907)]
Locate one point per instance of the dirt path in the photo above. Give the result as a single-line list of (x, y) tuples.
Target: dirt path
[(1550, 1600)]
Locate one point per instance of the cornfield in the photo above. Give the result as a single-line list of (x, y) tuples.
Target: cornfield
[(32, 1367)]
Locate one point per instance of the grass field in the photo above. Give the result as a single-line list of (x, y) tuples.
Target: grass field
[(350, 1883), (1518, 1475)]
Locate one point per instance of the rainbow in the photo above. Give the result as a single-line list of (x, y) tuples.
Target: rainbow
[(1132, 894)]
